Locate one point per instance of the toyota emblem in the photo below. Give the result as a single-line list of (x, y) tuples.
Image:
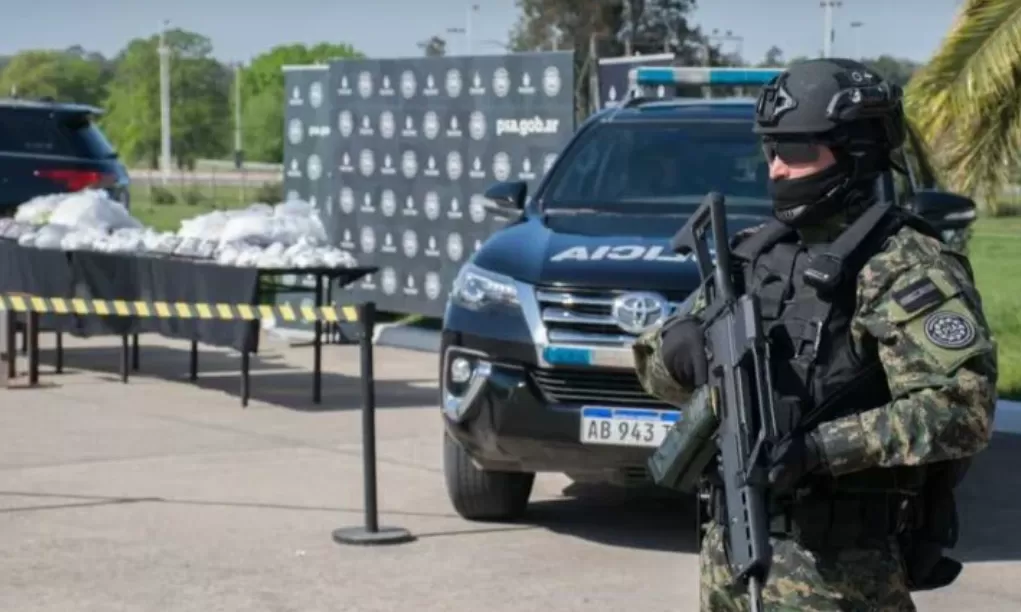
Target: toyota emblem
[(637, 312)]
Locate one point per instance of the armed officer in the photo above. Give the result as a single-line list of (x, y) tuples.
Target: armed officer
[(883, 365)]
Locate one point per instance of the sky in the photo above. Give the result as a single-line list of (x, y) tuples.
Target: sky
[(240, 29)]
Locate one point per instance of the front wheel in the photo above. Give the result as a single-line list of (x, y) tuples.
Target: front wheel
[(481, 495)]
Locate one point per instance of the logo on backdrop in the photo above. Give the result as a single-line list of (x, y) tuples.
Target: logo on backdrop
[(551, 82), (409, 164), (430, 86), (477, 89), (526, 87), (501, 166), (386, 89), (314, 167), (454, 131), (455, 247), (389, 280), (409, 243), (454, 83), (366, 128), (432, 206), (365, 84), (345, 163), (431, 125), (454, 165), (346, 123), (387, 125), (295, 131), (347, 200), (477, 125), (367, 239), (388, 203), (501, 82), (315, 94), (477, 209), (408, 84), (367, 162), (409, 130), (345, 86), (432, 285)]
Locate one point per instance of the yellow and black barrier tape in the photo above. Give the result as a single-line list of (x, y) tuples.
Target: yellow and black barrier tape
[(178, 310)]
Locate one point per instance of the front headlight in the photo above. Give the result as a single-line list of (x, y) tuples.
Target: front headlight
[(475, 288)]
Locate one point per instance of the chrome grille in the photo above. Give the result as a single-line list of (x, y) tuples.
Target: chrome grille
[(587, 386), (581, 316)]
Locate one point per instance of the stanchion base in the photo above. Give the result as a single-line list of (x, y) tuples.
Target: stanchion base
[(360, 536)]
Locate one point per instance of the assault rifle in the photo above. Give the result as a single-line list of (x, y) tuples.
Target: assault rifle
[(735, 406)]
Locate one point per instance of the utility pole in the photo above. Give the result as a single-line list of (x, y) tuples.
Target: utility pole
[(238, 151), (474, 8), (629, 18), (828, 33), (164, 53), (856, 26)]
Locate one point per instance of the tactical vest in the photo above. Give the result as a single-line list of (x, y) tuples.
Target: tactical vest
[(807, 295)]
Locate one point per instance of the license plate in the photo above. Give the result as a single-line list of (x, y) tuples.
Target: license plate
[(625, 426)]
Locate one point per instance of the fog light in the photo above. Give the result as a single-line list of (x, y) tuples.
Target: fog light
[(460, 370)]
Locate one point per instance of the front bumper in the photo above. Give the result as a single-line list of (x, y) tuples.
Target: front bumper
[(520, 416)]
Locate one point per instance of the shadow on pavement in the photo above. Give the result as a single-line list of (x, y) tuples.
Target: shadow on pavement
[(645, 519), (989, 503), (272, 380)]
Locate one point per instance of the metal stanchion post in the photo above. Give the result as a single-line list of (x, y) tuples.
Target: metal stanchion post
[(124, 358), (317, 347), (371, 534), (193, 362)]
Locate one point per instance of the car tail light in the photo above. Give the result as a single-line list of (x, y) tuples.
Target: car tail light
[(76, 180)]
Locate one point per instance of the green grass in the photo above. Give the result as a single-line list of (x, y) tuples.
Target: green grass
[(995, 253), (204, 198)]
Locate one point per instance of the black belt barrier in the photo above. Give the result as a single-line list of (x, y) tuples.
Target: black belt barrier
[(371, 534)]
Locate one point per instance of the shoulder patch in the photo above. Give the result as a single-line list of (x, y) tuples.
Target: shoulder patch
[(949, 330), (919, 294)]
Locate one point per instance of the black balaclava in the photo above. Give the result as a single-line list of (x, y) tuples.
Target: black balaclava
[(819, 197)]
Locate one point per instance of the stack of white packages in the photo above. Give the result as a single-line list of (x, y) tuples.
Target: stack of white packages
[(288, 235)]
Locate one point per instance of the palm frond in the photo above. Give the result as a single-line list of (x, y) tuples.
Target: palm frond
[(967, 99)]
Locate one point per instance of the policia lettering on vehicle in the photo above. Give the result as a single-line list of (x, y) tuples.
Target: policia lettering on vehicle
[(883, 364)]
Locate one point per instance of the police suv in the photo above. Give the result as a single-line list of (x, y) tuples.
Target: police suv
[(536, 365)]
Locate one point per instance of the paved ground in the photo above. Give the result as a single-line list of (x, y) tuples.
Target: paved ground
[(166, 495)]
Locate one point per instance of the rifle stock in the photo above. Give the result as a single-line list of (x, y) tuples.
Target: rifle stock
[(738, 395)]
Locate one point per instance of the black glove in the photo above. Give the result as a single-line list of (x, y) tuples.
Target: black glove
[(683, 347), (793, 459)]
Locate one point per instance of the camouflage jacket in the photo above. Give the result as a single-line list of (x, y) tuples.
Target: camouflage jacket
[(939, 360)]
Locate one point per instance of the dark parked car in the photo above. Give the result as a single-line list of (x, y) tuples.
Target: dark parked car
[(52, 147), (536, 367)]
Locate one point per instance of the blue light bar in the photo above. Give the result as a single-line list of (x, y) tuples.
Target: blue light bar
[(669, 75)]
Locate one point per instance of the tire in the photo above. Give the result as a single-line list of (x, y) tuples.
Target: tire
[(480, 495)]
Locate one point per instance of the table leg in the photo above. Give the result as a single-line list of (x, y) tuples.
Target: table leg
[(32, 334), (193, 362), (135, 357), (10, 331), (60, 352), (317, 348), (124, 358)]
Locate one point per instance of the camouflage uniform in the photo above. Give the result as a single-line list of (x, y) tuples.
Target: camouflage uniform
[(940, 366)]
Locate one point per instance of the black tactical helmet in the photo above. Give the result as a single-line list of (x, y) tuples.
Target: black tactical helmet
[(838, 100), (839, 103)]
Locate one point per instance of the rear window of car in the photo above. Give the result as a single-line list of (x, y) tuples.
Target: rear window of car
[(44, 132)]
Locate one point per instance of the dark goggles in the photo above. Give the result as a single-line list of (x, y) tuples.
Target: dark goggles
[(793, 151)]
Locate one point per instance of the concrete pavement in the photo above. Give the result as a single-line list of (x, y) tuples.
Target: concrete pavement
[(166, 495)]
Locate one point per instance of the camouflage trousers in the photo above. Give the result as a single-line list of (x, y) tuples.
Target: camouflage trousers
[(802, 580)]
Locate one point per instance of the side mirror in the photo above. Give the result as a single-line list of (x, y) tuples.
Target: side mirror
[(507, 198), (944, 210)]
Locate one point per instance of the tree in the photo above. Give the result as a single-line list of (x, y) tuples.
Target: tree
[(967, 103), (55, 74), (545, 25), (199, 100), (262, 94), (773, 58), (434, 47), (893, 69)]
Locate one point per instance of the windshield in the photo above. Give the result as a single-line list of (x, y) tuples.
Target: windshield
[(631, 164)]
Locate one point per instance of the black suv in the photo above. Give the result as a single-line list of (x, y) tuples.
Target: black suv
[(536, 365), (51, 147)]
